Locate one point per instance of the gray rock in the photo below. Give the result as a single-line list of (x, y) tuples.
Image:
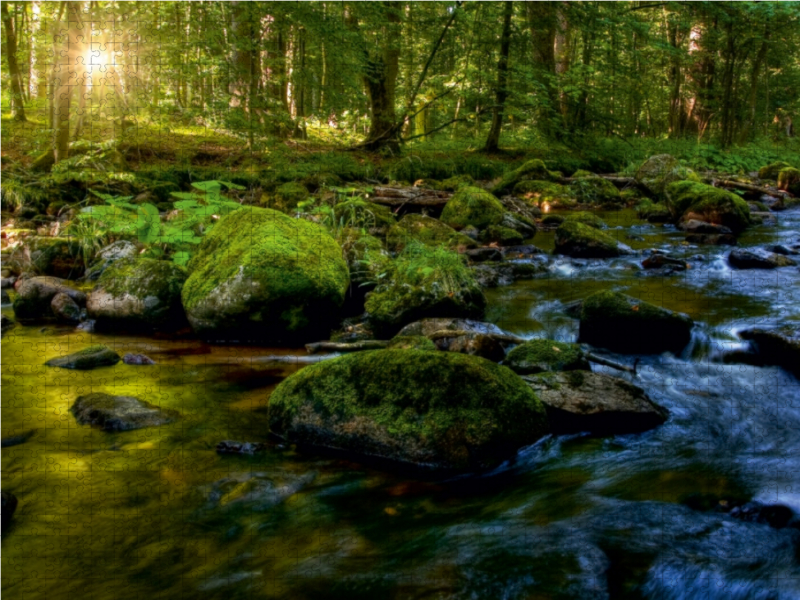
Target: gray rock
[(777, 346), (584, 401), (88, 358), (65, 308), (34, 296), (108, 256), (119, 413), (476, 344), (712, 239), (758, 259), (696, 226), (137, 359), (658, 261), (525, 251), (428, 327), (484, 254), (232, 447)]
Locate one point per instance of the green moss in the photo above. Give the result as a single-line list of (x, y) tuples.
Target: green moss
[(789, 180), (317, 181), (289, 195), (759, 206), (257, 263), (411, 342), (366, 258), (435, 408), (540, 355), (772, 170), (581, 241), (142, 277), (472, 206), (654, 213), (93, 349), (360, 213), (552, 220), (428, 231), (538, 192), (533, 169), (504, 236), (657, 172), (451, 184), (586, 218), (689, 199), (591, 189)]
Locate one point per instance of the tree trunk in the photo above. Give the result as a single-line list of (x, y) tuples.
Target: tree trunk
[(752, 98), (71, 49), (493, 140), (543, 25), (17, 101)]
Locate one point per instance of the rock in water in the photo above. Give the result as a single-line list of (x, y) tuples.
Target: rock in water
[(583, 401), (137, 359), (119, 413), (625, 324), (537, 356), (582, 241), (35, 295), (427, 409), (779, 346), (261, 275), (65, 308), (472, 206), (758, 259), (108, 256), (8, 505), (689, 200), (88, 358)]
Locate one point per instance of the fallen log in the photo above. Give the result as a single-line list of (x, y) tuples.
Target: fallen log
[(500, 337), (346, 347), (748, 187), (613, 364), (622, 182), (402, 196)]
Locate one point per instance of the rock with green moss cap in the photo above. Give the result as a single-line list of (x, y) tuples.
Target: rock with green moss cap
[(652, 212), (260, 275), (90, 357), (502, 236), (410, 342), (138, 294), (426, 409), (472, 206), (541, 355), (539, 192), (657, 172), (119, 413), (452, 184), (360, 213), (688, 200), (592, 189), (427, 230), (789, 180), (365, 255), (625, 324), (772, 170), (581, 241), (288, 195), (533, 169), (35, 295), (586, 218)]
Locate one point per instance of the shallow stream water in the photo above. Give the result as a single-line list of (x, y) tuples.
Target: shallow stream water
[(157, 513)]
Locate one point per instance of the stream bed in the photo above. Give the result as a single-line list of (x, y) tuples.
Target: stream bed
[(158, 513)]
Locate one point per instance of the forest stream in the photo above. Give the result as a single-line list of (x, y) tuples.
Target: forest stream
[(159, 513)]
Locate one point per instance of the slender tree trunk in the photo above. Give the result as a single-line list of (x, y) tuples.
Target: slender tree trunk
[(752, 97), (71, 48), (493, 139), (18, 102)]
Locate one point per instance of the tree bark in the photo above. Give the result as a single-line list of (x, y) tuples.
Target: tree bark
[(493, 139), (65, 73), (17, 100)]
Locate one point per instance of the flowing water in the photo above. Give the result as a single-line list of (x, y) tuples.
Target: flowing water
[(157, 513)]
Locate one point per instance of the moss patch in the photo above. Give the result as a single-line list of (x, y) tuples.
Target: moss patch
[(411, 342), (532, 169), (540, 355), (428, 231), (582, 241), (789, 180), (772, 170), (503, 236), (360, 213), (692, 200), (472, 206), (538, 192), (586, 218)]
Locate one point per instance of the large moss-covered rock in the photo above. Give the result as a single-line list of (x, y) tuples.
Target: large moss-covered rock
[(138, 294), (424, 283), (586, 218), (35, 295), (691, 200), (360, 213), (540, 193), (772, 170), (365, 255), (261, 275), (619, 322), (533, 169), (653, 212), (502, 236), (108, 256), (593, 189), (657, 172), (789, 180), (541, 355), (428, 409), (427, 230), (582, 241), (472, 206)]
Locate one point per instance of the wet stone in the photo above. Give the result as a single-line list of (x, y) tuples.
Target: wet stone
[(119, 413), (88, 358), (137, 359)]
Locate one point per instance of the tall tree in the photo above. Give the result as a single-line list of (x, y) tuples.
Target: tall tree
[(501, 91), (17, 100)]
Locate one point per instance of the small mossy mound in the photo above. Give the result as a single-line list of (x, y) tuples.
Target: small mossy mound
[(538, 193), (652, 212), (138, 294), (772, 170), (288, 196), (586, 218), (35, 295), (691, 200), (472, 206), (426, 230), (592, 189), (533, 169), (365, 255), (90, 357), (540, 355), (789, 180), (261, 275), (411, 342), (427, 409), (582, 241), (657, 172), (452, 184), (503, 236), (360, 213), (625, 324), (424, 282)]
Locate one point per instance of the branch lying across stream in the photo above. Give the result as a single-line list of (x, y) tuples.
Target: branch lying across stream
[(346, 347), (747, 187)]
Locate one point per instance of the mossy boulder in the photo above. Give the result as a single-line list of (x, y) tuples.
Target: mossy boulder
[(35, 295), (541, 355), (365, 255), (538, 193), (428, 231), (789, 180), (551, 220), (625, 324), (472, 206), (427, 409), (360, 213), (108, 255), (592, 189), (582, 241), (452, 184), (411, 342), (288, 195), (653, 212), (533, 169), (657, 172), (586, 218), (261, 275), (502, 236), (691, 200), (772, 170), (138, 294), (90, 357)]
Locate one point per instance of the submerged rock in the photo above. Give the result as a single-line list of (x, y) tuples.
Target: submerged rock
[(484, 254), (584, 401), (88, 358), (582, 241), (625, 324), (541, 355), (778, 346), (35, 295), (695, 226), (8, 506), (495, 274), (662, 261), (427, 409), (255, 491), (119, 413), (232, 447), (758, 259), (137, 359)]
